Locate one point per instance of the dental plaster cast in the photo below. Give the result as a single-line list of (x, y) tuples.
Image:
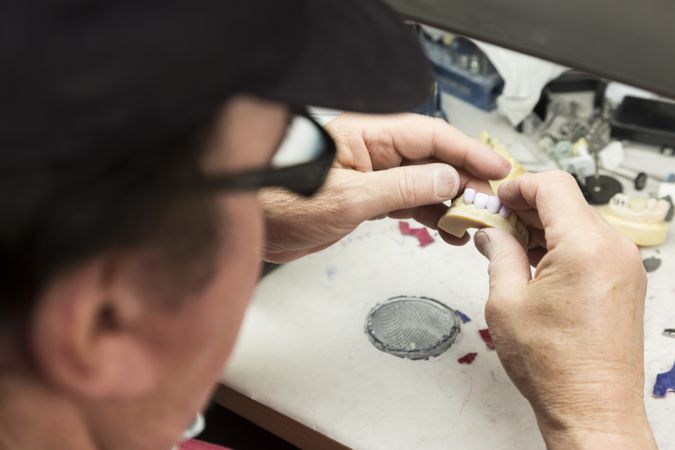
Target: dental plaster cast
[(479, 210), (640, 219)]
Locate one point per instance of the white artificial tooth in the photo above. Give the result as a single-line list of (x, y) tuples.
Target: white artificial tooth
[(469, 195), (651, 203), (620, 200), (664, 205), (504, 212), (493, 204), (481, 200)]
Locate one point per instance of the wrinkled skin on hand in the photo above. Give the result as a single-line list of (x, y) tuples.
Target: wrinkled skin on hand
[(571, 337), (402, 166)]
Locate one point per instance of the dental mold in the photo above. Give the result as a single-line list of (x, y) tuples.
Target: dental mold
[(479, 210), (461, 217), (640, 219)]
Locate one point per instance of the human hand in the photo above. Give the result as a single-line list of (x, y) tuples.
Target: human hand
[(571, 338), (402, 165)]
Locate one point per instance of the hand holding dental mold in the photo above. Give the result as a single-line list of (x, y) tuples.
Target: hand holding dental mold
[(571, 337), (479, 210), (402, 165)]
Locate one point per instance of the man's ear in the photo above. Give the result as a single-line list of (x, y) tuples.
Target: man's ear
[(86, 334)]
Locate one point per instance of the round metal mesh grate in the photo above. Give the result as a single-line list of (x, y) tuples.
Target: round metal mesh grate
[(412, 327)]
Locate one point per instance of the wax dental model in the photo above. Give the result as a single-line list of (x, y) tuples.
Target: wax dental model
[(480, 210), (640, 219)]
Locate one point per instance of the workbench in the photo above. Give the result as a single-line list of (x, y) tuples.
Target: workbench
[(304, 369)]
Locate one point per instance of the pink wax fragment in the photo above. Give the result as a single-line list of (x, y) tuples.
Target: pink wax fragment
[(423, 237), (487, 338), (468, 358), (422, 234)]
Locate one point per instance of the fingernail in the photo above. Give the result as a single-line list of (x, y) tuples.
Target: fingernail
[(446, 183), (482, 241)]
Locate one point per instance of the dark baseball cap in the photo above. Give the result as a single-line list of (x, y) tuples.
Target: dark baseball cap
[(81, 75)]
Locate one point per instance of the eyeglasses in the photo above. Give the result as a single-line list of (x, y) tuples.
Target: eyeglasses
[(300, 164)]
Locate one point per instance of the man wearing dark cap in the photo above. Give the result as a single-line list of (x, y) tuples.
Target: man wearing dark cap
[(133, 139)]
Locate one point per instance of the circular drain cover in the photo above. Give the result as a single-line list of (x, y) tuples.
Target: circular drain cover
[(412, 327)]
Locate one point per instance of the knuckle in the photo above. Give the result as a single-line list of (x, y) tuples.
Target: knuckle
[(630, 253), (628, 248), (563, 181), (610, 255), (407, 189), (556, 181), (529, 177), (563, 177), (589, 252), (595, 247)]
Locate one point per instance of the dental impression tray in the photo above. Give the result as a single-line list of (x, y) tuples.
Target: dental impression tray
[(479, 210), (640, 219)]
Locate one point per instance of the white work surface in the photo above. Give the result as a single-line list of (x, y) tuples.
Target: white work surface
[(303, 351)]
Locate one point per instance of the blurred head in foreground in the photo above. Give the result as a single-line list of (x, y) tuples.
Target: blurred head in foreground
[(132, 138)]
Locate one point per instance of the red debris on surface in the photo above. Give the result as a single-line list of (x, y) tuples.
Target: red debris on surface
[(468, 358), (487, 338), (421, 234)]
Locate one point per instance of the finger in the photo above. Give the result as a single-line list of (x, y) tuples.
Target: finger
[(554, 195), (414, 136), (417, 162), (403, 188), (427, 215), (466, 180), (509, 267), (454, 147), (402, 213), (530, 217)]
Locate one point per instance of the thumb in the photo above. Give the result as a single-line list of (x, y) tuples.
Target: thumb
[(509, 267), (409, 187)]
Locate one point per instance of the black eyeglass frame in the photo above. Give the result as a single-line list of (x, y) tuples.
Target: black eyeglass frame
[(304, 178)]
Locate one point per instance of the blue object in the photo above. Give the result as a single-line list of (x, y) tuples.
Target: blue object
[(664, 382), (463, 317), (477, 83)]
